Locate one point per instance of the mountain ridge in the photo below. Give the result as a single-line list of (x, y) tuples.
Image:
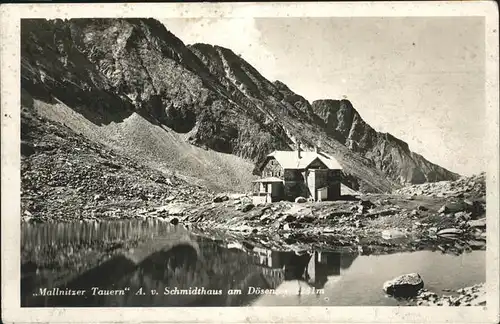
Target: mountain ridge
[(108, 69)]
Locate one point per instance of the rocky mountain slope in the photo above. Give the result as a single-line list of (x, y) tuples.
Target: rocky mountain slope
[(65, 176), (388, 153), (72, 84), (200, 110)]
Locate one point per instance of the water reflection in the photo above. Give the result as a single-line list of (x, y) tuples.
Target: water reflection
[(152, 263), (312, 268), (160, 265)]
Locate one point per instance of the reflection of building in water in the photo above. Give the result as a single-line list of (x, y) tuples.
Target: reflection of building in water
[(323, 265), (172, 258), (314, 269), (320, 266), (272, 264), (288, 265), (270, 258)]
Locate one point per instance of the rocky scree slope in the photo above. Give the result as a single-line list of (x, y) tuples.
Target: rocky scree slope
[(64, 176), (125, 83), (110, 69)]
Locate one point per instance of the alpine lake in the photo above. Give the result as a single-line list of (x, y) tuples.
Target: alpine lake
[(152, 263)]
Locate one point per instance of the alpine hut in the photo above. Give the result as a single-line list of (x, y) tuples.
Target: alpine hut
[(286, 175)]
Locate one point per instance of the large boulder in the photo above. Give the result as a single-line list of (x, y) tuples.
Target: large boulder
[(366, 203), (247, 207), (220, 198), (406, 285), (450, 232), (479, 223), (172, 209), (454, 207)]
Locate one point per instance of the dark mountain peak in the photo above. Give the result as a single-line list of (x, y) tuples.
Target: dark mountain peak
[(285, 90), (333, 105), (346, 123), (338, 116), (235, 69), (225, 52), (391, 138), (158, 29), (149, 25), (281, 86), (388, 153), (201, 46)]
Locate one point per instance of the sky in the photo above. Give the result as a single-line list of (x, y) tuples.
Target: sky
[(419, 78)]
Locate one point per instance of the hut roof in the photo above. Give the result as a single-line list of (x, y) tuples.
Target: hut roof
[(291, 160)]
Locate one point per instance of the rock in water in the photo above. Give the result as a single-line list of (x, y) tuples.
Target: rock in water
[(406, 285), (300, 200)]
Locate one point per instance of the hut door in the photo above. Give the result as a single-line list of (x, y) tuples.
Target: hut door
[(311, 183)]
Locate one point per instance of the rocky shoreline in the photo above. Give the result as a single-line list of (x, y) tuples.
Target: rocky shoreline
[(365, 224), (66, 177), (452, 221), (410, 287), (371, 223), (469, 296)]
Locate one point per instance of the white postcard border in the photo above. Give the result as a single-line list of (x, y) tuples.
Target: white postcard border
[(10, 152)]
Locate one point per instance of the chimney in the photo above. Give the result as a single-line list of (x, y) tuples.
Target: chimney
[(318, 147), (299, 150)]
